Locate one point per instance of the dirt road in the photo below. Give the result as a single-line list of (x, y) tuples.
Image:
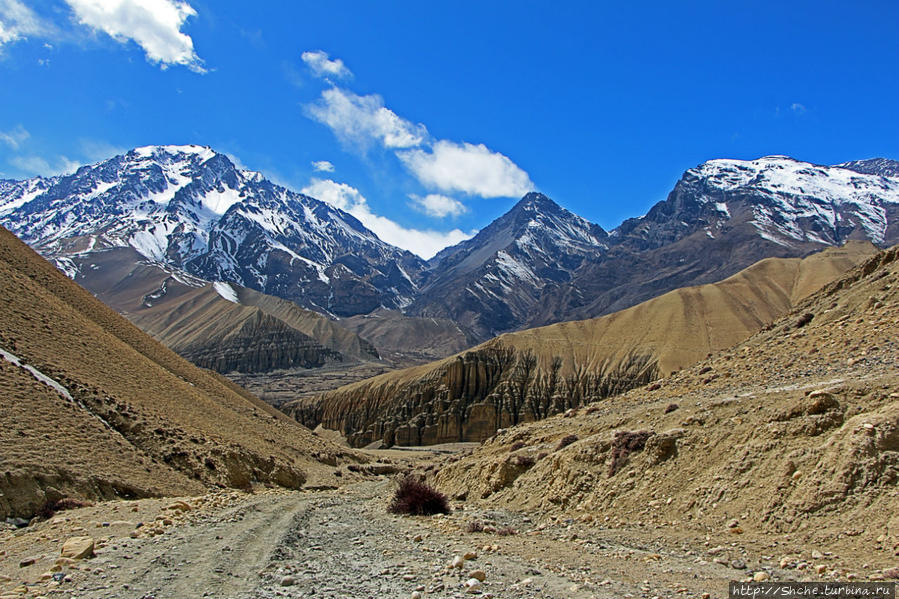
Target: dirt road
[(343, 544)]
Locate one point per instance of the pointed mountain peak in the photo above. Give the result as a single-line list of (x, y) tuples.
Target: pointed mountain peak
[(536, 201)]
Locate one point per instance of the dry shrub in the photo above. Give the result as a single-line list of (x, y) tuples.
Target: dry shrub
[(804, 320), (565, 441), (623, 445), (49, 509), (523, 461), (506, 531), (474, 526), (417, 498)]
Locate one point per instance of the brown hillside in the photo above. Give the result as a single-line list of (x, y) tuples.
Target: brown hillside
[(258, 334), (140, 421), (468, 396), (787, 441)]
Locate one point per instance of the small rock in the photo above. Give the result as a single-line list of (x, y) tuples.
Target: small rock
[(408, 577), (761, 577), (28, 561), (181, 506), (738, 564), (417, 538), (479, 574), (288, 581), (891, 573), (820, 568), (458, 562), (473, 585), (733, 523), (470, 555), (817, 554), (78, 548), (416, 595)]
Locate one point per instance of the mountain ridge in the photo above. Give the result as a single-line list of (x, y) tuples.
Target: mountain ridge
[(537, 264)]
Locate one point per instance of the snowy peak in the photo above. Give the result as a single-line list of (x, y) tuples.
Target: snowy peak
[(777, 198), (489, 282), (874, 166), (192, 208)]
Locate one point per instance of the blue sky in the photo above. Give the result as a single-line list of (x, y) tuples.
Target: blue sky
[(427, 120)]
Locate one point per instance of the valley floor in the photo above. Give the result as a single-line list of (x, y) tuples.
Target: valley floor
[(342, 543)]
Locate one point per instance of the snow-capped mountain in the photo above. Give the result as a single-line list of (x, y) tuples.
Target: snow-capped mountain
[(540, 264), (490, 282), (190, 207)]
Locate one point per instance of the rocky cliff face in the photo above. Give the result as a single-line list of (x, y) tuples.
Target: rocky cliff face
[(261, 344), (466, 398), (532, 374)]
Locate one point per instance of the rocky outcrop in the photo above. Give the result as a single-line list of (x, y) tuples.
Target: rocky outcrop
[(262, 344), (468, 398)]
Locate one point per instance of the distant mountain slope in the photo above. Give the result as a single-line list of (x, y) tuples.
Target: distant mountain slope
[(221, 326), (491, 282), (190, 207), (721, 217), (540, 264), (468, 396), (117, 413)]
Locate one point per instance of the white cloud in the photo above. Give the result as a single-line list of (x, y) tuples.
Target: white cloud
[(155, 25), (322, 166), (14, 137), (425, 243), (797, 108), (17, 22), (468, 168), (360, 120), (437, 205), (323, 66), (36, 165)]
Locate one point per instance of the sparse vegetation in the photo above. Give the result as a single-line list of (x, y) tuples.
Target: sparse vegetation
[(804, 320), (523, 461), (474, 526), (414, 497), (623, 445), (565, 441), (50, 508)]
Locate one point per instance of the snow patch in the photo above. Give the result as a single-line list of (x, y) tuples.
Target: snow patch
[(226, 291), (15, 360)]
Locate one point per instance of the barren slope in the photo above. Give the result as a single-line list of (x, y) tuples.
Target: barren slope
[(468, 396), (794, 431), (117, 413), (224, 327)]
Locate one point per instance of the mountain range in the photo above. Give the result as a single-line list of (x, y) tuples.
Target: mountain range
[(190, 211)]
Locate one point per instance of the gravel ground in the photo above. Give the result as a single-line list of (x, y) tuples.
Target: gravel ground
[(343, 544)]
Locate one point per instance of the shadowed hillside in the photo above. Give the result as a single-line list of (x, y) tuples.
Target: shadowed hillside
[(92, 407)]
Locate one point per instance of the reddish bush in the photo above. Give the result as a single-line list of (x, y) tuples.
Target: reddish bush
[(417, 498), (474, 526), (565, 441), (624, 444)]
